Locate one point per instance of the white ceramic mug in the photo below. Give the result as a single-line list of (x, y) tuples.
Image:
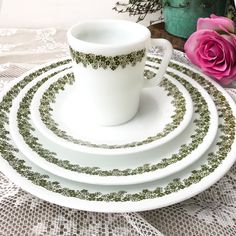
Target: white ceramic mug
[(108, 63)]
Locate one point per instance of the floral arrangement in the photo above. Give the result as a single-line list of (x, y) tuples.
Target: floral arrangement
[(213, 48)]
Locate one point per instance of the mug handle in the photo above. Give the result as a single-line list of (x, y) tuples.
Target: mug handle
[(168, 49)]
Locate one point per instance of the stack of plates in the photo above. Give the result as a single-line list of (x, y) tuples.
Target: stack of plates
[(181, 141)]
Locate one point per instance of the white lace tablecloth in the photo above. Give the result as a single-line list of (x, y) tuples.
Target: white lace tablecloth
[(212, 212)]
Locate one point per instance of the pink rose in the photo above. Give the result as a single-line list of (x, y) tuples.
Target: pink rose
[(214, 49)]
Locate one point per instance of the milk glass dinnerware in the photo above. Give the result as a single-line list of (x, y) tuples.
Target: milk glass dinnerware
[(185, 183), (114, 129)]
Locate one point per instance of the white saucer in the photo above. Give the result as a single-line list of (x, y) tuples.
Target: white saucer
[(114, 170), (164, 113), (183, 185)]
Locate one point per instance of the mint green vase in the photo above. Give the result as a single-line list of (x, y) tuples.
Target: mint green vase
[(181, 16)]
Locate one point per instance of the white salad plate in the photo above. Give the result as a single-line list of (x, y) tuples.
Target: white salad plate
[(164, 112), (203, 173), (126, 169)]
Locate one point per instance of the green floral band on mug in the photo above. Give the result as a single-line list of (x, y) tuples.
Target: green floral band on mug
[(99, 61)]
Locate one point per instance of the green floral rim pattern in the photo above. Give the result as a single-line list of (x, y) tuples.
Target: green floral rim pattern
[(202, 125), (49, 97), (214, 159), (105, 62)]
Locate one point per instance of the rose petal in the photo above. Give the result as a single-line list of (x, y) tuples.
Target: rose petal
[(231, 47), (229, 79), (231, 38), (190, 47), (215, 52), (208, 52), (221, 67), (217, 23)]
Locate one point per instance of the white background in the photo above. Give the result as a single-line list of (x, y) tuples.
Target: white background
[(58, 13)]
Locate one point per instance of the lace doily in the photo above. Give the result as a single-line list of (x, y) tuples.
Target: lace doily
[(212, 212)]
